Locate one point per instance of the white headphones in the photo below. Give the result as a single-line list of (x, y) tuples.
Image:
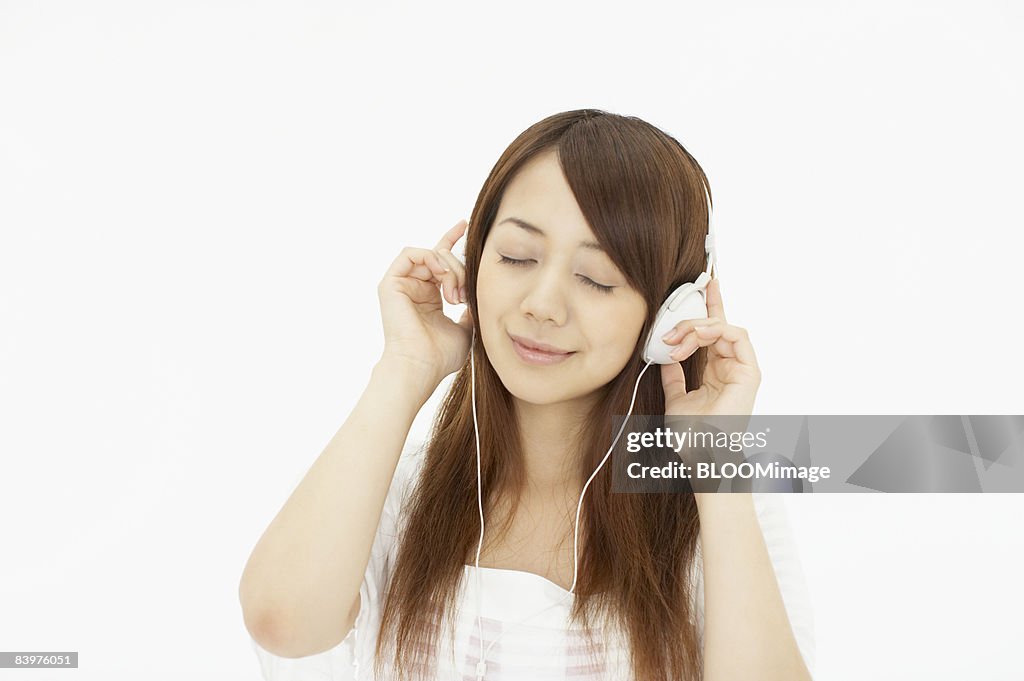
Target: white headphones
[(688, 301)]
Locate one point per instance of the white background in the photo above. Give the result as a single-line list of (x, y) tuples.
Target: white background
[(198, 199)]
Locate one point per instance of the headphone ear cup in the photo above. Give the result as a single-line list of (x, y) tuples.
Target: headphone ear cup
[(693, 306), (689, 304)]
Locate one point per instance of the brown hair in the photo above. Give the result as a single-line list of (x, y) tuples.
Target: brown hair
[(643, 197)]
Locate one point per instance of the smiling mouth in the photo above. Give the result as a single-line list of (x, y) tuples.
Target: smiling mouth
[(532, 355)]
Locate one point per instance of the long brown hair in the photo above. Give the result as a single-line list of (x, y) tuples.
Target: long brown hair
[(643, 196)]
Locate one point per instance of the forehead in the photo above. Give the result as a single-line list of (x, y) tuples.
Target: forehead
[(534, 230), (539, 202)]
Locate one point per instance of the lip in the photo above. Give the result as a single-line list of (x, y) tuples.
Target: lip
[(538, 353)]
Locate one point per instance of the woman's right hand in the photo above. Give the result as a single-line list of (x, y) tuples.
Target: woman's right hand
[(418, 335)]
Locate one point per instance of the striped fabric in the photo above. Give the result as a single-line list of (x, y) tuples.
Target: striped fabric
[(541, 649)]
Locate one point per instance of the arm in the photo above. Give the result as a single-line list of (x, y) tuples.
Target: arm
[(747, 633), (300, 588)]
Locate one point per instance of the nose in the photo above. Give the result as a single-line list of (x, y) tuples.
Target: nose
[(545, 298)]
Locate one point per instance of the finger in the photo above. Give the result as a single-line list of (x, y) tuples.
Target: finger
[(466, 321), (416, 263), (423, 273), (689, 344), (673, 381), (679, 331), (452, 236), (693, 341), (458, 269), (714, 295), (728, 341), (446, 276)]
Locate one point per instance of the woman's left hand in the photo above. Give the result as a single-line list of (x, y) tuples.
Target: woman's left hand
[(731, 376)]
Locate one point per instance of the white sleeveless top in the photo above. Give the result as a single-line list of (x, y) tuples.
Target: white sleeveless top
[(541, 649)]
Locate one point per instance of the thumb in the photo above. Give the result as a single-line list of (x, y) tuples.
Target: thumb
[(673, 381), (466, 321)]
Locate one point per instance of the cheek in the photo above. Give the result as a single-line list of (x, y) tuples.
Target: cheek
[(619, 340), (616, 326), (490, 296)]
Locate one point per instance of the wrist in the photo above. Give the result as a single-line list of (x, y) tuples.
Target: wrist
[(408, 378)]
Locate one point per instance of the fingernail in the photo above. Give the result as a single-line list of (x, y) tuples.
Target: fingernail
[(670, 335), (462, 294), (681, 352)]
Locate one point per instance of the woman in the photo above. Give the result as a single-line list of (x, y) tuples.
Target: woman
[(584, 225)]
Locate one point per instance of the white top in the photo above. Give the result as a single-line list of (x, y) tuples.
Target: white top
[(541, 649)]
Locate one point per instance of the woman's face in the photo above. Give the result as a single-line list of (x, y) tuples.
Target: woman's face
[(565, 292)]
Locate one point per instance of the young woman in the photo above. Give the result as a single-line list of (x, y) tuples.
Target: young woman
[(369, 571)]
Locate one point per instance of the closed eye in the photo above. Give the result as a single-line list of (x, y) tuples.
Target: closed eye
[(586, 280), (511, 261)]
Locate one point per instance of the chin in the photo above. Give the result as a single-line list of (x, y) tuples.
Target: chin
[(540, 390), (532, 389)]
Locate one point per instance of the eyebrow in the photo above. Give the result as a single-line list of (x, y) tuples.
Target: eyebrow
[(534, 229)]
